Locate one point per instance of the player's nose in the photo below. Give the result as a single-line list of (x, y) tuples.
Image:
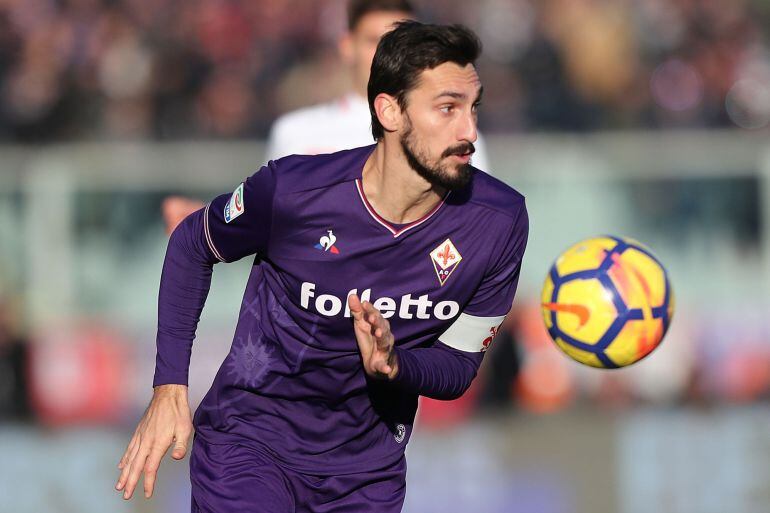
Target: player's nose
[(467, 131)]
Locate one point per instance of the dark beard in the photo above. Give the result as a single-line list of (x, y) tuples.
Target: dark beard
[(439, 177)]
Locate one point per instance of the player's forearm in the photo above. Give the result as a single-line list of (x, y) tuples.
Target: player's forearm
[(438, 372), (184, 285)]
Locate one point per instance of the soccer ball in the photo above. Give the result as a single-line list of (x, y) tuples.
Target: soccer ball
[(607, 302)]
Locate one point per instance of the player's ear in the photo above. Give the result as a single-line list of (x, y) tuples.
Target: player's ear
[(388, 112)]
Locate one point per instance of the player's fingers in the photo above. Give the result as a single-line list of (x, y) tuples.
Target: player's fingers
[(382, 334), (382, 367), (358, 311), (135, 470), (369, 309), (370, 312), (372, 325), (379, 328), (374, 317), (129, 448), (180, 449), (181, 441), (376, 332), (356, 308), (129, 460), (151, 467), (374, 320), (385, 342)]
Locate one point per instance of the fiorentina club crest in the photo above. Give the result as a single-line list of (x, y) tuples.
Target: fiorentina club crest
[(445, 259)]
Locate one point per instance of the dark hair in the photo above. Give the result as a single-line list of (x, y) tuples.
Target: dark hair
[(357, 9), (408, 50)]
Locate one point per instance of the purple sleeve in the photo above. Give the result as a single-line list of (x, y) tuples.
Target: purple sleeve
[(184, 285), (444, 370), (495, 294), (230, 227), (438, 372), (239, 224)]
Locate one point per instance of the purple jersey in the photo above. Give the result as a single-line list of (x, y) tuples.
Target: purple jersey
[(293, 384)]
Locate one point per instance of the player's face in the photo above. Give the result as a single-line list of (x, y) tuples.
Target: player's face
[(439, 126), (362, 42)]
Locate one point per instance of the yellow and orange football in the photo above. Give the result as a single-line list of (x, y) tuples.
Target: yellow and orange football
[(607, 302)]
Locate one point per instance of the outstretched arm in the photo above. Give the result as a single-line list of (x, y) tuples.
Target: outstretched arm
[(168, 421), (230, 227)]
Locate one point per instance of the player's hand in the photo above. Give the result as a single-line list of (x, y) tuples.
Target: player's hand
[(176, 208), (375, 340), (167, 421)]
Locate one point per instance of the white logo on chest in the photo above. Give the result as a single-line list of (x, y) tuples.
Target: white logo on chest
[(405, 307), (326, 242)]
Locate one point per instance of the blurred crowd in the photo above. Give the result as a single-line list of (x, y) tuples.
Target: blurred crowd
[(173, 69), (158, 69)]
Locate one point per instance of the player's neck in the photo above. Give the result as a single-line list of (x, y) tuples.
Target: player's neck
[(395, 190)]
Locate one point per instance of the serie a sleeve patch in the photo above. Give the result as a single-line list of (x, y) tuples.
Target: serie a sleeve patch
[(235, 206)]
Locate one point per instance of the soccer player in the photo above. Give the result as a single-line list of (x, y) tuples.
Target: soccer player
[(339, 124), (381, 273)]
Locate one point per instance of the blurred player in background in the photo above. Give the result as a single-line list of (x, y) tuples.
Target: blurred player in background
[(344, 122), (341, 123), (383, 273)]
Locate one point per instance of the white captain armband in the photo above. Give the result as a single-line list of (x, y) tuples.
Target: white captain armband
[(472, 334)]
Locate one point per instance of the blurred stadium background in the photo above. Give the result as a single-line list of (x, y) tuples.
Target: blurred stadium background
[(646, 118)]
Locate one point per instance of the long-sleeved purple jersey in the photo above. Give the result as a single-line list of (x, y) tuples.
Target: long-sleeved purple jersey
[(293, 385)]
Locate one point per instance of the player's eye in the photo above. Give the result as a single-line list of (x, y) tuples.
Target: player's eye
[(446, 109), (476, 106)]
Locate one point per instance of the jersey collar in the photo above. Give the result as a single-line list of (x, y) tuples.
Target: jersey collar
[(401, 229)]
